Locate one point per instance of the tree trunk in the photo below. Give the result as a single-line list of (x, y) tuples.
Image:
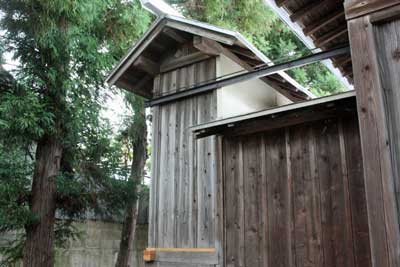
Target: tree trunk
[(137, 171), (38, 250)]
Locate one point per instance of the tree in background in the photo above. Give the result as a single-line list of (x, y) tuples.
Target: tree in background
[(261, 26), (51, 111), (135, 138)]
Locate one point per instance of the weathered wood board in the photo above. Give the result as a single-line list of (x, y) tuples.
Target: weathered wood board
[(183, 179), (295, 196)]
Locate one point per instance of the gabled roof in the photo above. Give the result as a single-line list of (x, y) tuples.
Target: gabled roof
[(136, 70)]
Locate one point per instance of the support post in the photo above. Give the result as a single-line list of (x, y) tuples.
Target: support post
[(373, 28)]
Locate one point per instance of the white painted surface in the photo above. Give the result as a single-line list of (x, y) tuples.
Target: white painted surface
[(245, 97)]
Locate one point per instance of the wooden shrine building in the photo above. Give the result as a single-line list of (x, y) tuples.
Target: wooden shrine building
[(249, 168)]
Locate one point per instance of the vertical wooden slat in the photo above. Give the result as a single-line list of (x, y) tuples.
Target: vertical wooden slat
[(252, 205), (220, 203), (306, 216), (230, 147), (278, 204), (349, 242), (265, 246), (335, 238), (153, 205), (357, 199), (192, 164), (317, 251), (387, 42)]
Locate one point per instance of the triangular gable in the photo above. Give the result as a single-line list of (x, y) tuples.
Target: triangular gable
[(136, 71)]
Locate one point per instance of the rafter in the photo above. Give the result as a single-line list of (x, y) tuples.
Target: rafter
[(309, 8), (214, 48), (280, 3), (147, 65), (331, 35), (314, 27), (175, 35)]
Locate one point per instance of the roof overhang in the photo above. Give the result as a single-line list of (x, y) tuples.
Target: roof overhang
[(169, 32), (285, 10), (282, 116)]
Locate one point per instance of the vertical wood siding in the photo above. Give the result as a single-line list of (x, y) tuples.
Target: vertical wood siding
[(387, 37), (295, 197), (183, 169)]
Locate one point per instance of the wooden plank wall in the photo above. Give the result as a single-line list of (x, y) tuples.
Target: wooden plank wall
[(387, 38), (295, 197), (182, 205)]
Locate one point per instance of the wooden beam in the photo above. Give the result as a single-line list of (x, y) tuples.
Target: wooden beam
[(330, 36), (358, 8), (243, 52), (346, 99), (341, 62), (309, 8), (213, 48), (183, 61), (314, 27), (255, 74), (219, 37), (280, 3), (173, 34), (207, 46), (374, 68), (147, 65), (198, 250), (139, 87), (182, 255)]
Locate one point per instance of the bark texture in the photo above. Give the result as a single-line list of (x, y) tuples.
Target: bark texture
[(137, 171), (38, 250)]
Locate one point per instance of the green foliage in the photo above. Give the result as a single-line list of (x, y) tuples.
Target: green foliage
[(64, 50), (14, 186), (257, 22)]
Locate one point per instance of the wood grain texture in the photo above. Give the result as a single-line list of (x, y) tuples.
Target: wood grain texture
[(372, 78), (358, 8), (294, 197), (183, 203)]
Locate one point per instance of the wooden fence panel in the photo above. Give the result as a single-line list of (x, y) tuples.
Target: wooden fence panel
[(295, 197)]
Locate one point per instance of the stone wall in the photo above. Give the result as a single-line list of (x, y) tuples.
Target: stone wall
[(98, 246)]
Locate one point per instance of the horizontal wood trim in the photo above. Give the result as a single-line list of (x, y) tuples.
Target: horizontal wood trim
[(193, 250), (358, 8), (182, 255), (198, 129), (183, 61), (385, 16)]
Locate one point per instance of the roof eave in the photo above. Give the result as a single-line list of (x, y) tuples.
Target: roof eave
[(307, 41)]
